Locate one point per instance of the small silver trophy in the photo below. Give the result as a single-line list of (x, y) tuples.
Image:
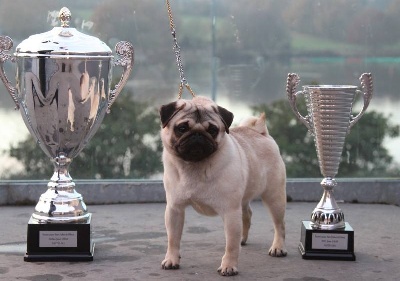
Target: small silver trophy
[(63, 93), (327, 235)]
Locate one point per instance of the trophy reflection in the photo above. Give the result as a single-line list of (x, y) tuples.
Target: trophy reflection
[(63, 93), (329, 119)]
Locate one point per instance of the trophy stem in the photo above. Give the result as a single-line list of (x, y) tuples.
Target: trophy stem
[(61, 203), (327, 215)]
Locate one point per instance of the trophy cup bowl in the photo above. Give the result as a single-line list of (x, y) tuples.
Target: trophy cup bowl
[(329, 119), (63, 93)]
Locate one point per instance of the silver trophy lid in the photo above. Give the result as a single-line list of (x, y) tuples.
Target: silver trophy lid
[(63, 41)]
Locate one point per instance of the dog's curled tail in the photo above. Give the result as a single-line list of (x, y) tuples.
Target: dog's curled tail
[(256, 123)]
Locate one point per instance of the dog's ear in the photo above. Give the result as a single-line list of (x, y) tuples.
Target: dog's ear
[(168, 111), (226, 117)]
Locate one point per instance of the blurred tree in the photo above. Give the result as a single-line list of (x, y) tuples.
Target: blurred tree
[(320, 18), (20, 19), (363, 155), (144, 23), (357, 21), (127, 145), (373, 27), (264, 35), (253, 57), (27, 18)]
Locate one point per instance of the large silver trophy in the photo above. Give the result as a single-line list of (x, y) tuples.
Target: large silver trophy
[(329, 119), (63, 93)]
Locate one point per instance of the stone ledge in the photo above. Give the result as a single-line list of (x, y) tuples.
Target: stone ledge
[(94, 192)]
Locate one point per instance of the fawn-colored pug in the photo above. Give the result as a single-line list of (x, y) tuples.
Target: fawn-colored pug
[(218, 171)]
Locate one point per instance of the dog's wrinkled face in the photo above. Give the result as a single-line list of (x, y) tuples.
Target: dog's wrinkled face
[(192, 129)]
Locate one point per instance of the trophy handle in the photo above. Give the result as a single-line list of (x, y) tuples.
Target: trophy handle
[(367, 86), (6, 44), (292, 82), (125, 50)]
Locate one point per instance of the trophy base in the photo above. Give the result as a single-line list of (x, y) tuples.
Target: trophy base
[(59, 242), (318, 244)]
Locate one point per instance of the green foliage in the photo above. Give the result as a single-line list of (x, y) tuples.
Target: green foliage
[(127, 145), (27, 20), (145, 23), (20, 18), (306, 43), (363, 155), (36, 163), (355, 22)]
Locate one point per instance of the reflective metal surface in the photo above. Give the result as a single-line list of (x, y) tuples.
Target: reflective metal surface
[(63, 93), (64, 42), (329, 119), (5, 45)]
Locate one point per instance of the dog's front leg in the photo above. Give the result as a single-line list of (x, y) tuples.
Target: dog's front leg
[(174, 220), (233, 234)]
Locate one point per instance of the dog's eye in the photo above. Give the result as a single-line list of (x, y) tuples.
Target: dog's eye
[(213, 130), (182, 128)]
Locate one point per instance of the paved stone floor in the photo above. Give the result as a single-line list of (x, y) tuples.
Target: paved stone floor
[(131, 242)]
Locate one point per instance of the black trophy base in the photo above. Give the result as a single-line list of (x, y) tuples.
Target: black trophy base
[(317, 244), (59, 242)]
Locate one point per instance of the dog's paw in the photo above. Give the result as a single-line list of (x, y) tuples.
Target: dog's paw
[(228, 270), (170, 263), (277, 252)]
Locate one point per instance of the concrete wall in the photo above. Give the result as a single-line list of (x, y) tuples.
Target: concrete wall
[(385, 191)]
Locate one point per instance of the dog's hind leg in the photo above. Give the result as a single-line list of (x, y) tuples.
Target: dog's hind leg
[(276, 204), (246, 217)]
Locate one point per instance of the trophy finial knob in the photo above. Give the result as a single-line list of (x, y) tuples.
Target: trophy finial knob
[(64, 16)]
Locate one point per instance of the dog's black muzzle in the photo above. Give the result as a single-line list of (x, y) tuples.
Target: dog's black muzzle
[(196, 147)]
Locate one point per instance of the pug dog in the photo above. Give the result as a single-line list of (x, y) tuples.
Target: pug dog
[(218, 171)]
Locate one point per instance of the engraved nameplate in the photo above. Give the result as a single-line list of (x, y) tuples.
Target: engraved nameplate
[(67, 239), (329, 241)]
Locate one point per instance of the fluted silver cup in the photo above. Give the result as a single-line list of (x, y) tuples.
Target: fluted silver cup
[(329, 120)]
